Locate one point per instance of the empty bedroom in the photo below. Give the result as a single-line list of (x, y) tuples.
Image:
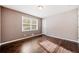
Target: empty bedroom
[(39, 29)]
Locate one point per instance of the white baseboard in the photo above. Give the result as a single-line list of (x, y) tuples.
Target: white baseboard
[(18, 39), (62, 38)]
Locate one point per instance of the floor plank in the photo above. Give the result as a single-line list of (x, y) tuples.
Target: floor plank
[(31, 45)]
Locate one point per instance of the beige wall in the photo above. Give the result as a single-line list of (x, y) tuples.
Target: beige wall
[(0, 24), (63, 25), (78, 24), (12, 25)]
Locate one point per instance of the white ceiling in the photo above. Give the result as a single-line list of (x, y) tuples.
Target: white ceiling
[(48, 10)]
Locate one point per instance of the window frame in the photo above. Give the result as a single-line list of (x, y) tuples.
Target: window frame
[(31, 19)]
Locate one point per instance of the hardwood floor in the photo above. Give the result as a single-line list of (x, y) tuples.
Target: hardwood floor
[(68, 45), (23, 46), (31, 45)]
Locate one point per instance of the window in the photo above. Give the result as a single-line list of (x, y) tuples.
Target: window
[(29, 24)]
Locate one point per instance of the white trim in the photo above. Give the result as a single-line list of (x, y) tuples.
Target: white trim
[(62, 38), (23, 17), (19, 39)]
